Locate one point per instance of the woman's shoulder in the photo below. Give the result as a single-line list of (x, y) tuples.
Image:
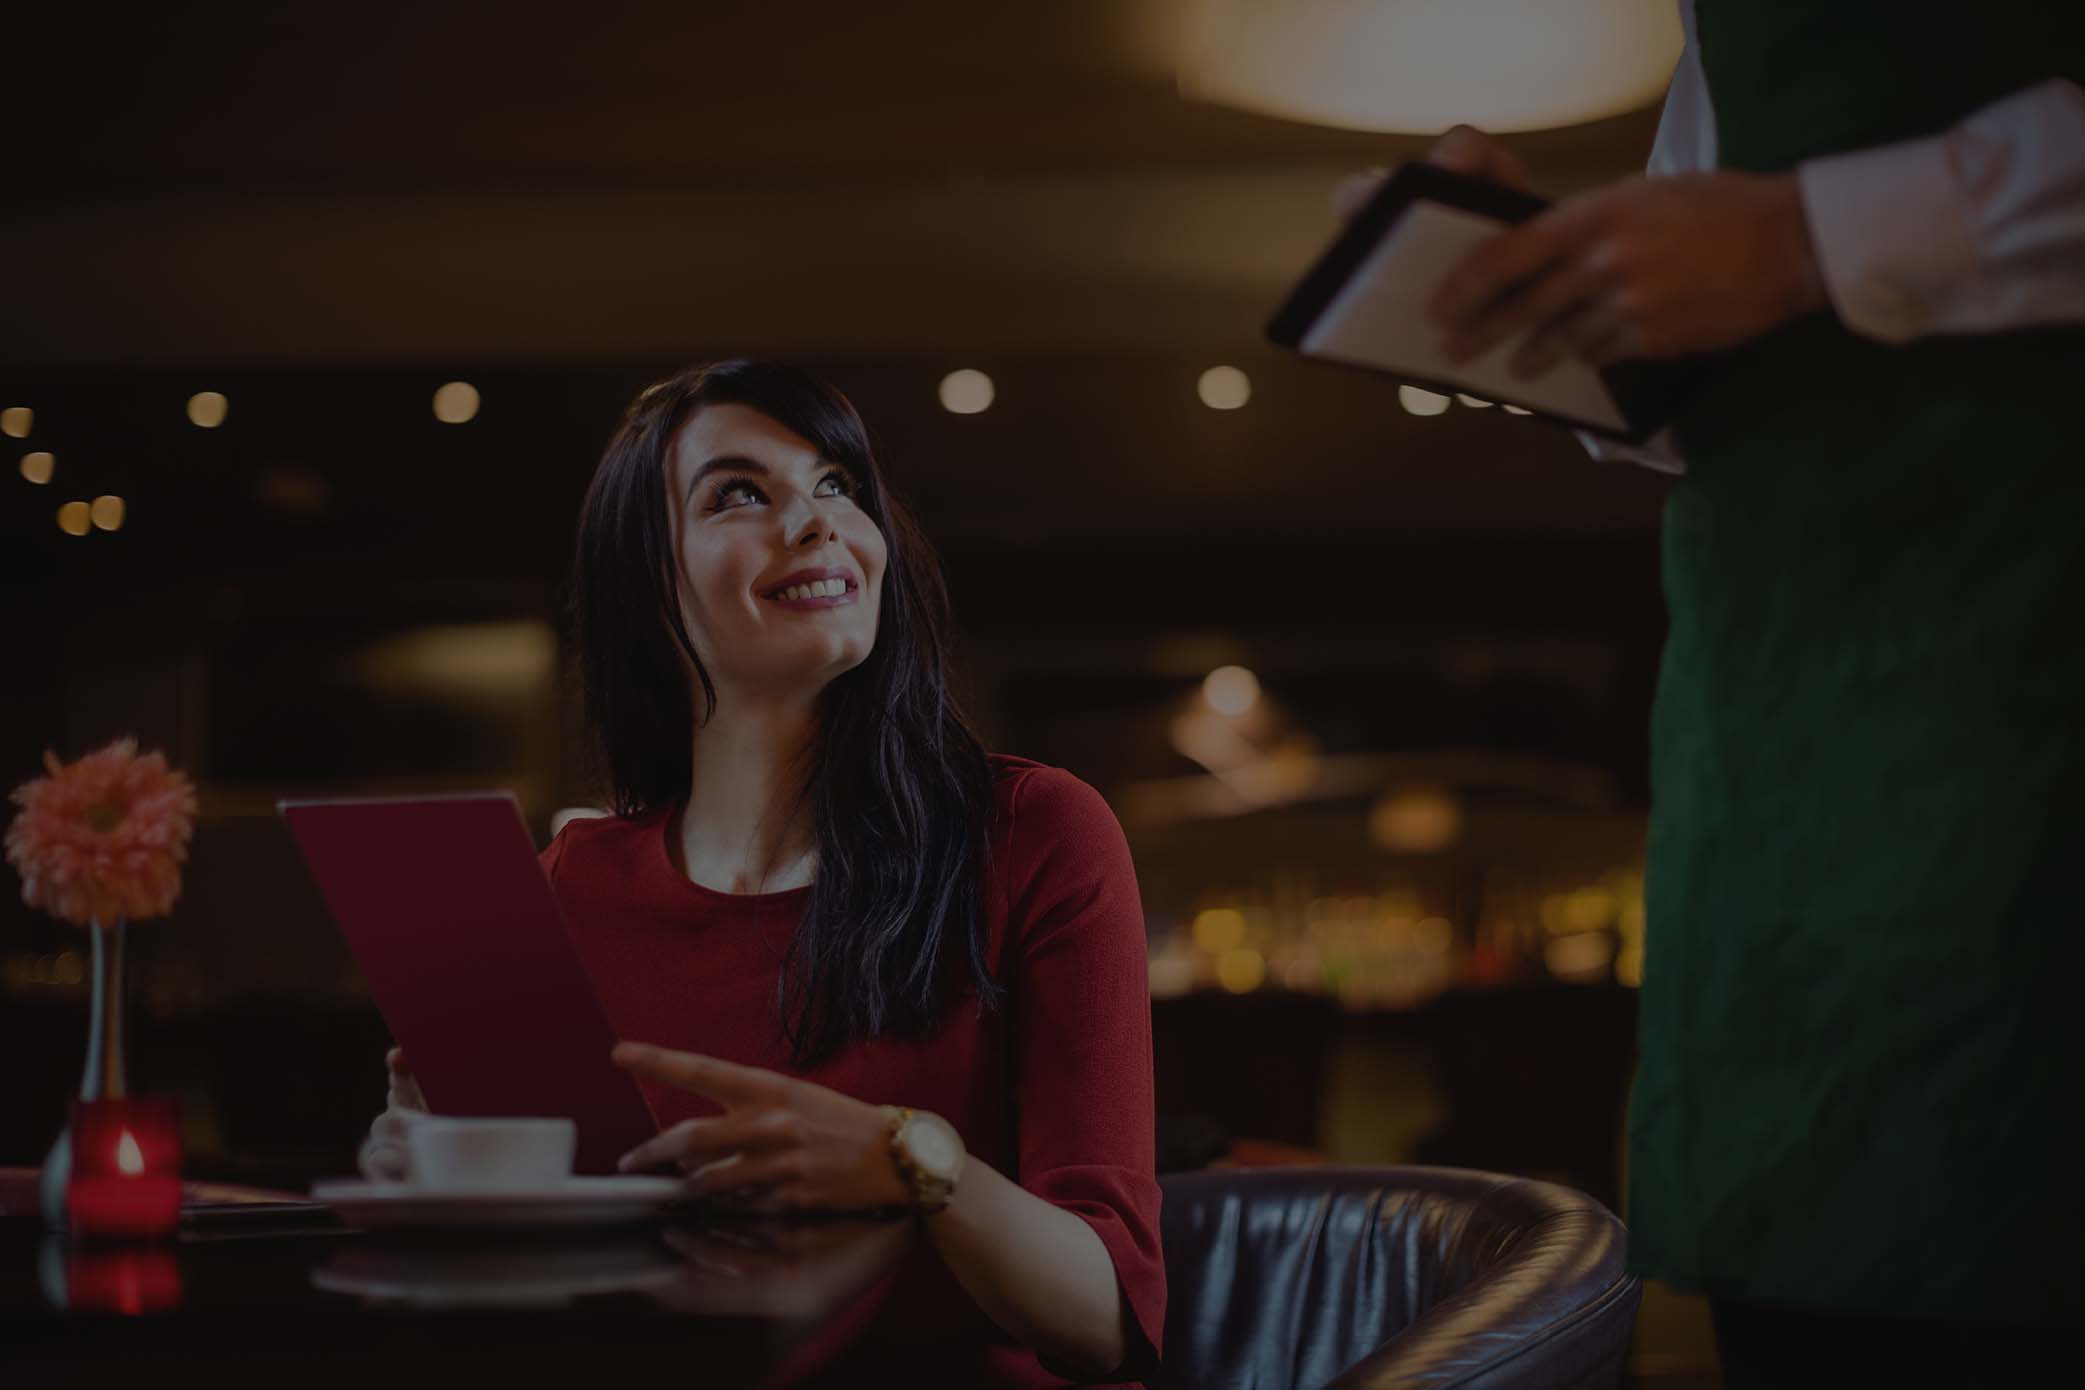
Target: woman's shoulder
[(1039, 809), (592, 840), (1038, 794)]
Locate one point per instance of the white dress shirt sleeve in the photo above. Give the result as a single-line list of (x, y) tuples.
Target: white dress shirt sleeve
[(1980, 229)]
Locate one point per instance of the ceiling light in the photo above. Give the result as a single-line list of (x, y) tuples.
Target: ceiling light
[(1420, 66)]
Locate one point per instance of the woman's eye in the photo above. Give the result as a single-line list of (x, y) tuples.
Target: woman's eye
[(728, 496), (843, 486)]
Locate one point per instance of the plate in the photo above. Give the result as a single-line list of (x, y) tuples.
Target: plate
[(573, 1202)]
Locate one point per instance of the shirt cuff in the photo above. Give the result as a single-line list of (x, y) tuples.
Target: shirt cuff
[(1892, 235)]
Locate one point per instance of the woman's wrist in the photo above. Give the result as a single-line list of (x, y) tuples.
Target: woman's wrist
[(926, 1155)]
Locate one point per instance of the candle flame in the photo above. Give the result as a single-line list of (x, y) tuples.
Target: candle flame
[(129, 1157)]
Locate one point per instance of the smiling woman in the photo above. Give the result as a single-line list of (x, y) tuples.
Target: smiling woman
[(859, 962)]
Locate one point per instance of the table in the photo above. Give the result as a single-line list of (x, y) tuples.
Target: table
[(293, 1299)]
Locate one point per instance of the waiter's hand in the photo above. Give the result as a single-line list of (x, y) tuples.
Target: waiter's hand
[(780, 1145), (1637, 268)]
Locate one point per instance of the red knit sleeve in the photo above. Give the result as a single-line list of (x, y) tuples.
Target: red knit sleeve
[(554, 853), (1082, 1027)]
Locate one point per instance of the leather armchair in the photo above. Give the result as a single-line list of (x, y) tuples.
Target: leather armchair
[(1367, 1278)]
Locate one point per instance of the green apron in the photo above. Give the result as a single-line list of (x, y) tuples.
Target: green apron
[(1861, 1085)]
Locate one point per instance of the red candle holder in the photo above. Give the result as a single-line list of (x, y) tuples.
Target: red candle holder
[(126, 1168)]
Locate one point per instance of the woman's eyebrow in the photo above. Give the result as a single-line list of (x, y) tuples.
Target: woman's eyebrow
[(726, 463)]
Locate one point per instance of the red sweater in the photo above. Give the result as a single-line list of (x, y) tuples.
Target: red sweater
[(1053, 1088)]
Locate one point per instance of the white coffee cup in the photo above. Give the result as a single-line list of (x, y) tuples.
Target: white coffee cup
[(453, 1153)]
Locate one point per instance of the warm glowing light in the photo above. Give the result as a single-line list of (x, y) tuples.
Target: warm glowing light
[(130, 1158), (456, 403), (1583, 958), (1589, 909), (1241, 971), (16, 420), (1224, 388), (1219, 929), (1416, 820), (1516, 410), (37, 467), (73, 519), (1419, 66), (1231, 690), (1434, 936), (1473, 402), (966, 391), (1421, 401), (107, 512), (206, 409)]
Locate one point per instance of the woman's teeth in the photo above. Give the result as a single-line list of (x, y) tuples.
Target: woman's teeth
[(824, 588)]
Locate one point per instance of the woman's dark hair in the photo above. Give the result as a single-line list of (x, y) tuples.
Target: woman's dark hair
[(900, 790)]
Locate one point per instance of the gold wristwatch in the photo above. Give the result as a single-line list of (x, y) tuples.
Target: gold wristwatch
[(928, 1153)]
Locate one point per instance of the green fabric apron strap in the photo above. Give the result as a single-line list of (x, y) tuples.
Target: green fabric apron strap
[(1863, 1062)]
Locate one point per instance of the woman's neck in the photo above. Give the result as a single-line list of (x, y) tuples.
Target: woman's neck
[(746, 827)]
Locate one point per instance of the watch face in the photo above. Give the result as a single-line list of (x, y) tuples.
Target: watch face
[(934, 1147)]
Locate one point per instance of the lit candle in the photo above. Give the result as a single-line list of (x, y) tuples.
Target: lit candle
[(126, 1168)]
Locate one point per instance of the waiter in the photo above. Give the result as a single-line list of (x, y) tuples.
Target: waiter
[(1862, 1068)]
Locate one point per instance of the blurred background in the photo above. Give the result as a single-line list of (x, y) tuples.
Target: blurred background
[(317, 318)]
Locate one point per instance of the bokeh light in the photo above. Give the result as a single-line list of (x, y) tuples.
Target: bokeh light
[(1231, 690), (74, 519), (1420, 401), (207, 409), (966, 391), (39, 466), (106, 512), (456, 403), (1224, 388), (16, 420)]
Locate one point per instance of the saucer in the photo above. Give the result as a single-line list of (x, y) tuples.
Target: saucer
[(572, 1202), (526, 1276)]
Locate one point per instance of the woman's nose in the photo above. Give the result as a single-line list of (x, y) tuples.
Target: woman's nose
[(810, 531)]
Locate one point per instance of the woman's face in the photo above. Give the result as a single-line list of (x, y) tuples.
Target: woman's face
[(780, 571)]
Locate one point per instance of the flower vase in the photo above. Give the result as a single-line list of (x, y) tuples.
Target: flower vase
[(102, 1079)]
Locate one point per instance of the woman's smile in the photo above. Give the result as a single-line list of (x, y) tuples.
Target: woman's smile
[(810, 590)]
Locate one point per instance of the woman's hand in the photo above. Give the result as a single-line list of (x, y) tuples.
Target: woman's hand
[(382, 1156), (780, 1145)]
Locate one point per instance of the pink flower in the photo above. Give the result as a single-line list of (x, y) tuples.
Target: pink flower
[(103, 840)]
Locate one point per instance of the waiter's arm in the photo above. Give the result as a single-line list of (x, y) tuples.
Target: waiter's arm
[(1980, 229)]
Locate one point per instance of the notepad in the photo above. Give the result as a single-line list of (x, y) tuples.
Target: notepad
[(1363, 304)]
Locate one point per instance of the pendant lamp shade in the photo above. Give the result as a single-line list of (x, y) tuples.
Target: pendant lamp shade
[(1420, 66)]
